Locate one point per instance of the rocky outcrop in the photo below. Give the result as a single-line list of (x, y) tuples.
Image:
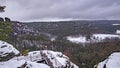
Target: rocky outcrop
[(21, 29), (7, 51), (34, 59), (7, 19), (1, 19), (113, 61)]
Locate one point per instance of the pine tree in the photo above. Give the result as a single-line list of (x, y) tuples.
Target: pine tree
[(5, 26), (2, 8)]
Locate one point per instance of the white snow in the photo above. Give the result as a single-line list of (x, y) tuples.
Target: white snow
[(33, 59), (113, 61), (117, 31), (53, 39), (37, 65), (79, 39), (94, 38), (115, 24), (13, 63), (56, 58), (104, 36), (6, 48)]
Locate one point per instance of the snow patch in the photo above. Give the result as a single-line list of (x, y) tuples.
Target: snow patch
[(117, 31), (19, 63), (94, 38), (79, 39), (115, 24), (54, 59), (6, 48), (111, 62), (34, 59)]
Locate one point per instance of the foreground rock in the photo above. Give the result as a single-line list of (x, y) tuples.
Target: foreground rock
[(51, 58), (7, 51), (34, 59), (14, 63), (113, 61)]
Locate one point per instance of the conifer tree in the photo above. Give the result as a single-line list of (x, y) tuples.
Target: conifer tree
[(2, 8)]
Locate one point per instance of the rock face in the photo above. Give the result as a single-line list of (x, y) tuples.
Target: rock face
[(51, 58), (34, 59), (14, 63), (113, 61), (21, 29), (7, 51), (1, 19), (7, 19)]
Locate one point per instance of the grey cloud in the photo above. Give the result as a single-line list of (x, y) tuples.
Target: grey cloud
[(25, 10)]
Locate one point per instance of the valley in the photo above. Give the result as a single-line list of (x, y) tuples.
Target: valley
[(81, 41)]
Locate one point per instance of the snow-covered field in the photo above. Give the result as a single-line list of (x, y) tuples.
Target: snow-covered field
[(79, 39), (94, 38), (115, 24), (113, 61), (34, 59), (117, 31)]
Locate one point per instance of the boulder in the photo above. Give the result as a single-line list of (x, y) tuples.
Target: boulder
[(1, 19), (7, 19), (7, 51)]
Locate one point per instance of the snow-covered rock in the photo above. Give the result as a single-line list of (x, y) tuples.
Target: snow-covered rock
[(94, 38), (14, 63), (59, 60), (6, 49), (117, 31), (34, 59), (40, 59), (113, 61), (51, 58)]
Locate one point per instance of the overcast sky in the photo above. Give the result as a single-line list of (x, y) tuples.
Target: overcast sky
[(29, 10)]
